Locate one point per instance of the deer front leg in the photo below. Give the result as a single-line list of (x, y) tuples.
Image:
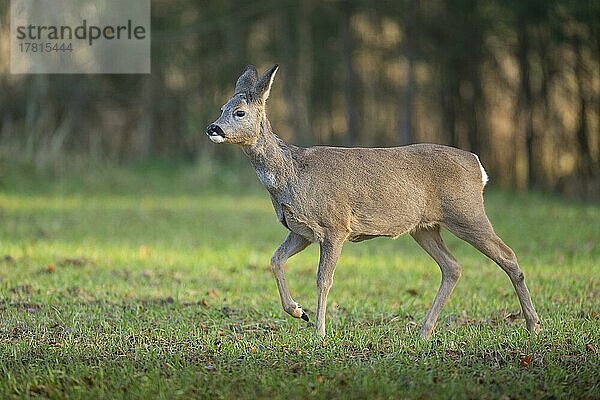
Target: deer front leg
[(330, 252), (292, 244)]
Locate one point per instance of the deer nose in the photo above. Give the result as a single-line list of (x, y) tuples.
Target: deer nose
[(214, 130)]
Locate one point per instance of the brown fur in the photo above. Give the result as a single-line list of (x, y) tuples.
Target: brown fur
[(329, 195)]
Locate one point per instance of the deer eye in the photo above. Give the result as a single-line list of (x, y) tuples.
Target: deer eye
[(240, 113)]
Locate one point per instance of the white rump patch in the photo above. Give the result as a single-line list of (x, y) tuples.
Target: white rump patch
[(484, 175), (217, 138)]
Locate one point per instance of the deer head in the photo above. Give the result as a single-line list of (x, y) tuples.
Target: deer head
[(241, 117)]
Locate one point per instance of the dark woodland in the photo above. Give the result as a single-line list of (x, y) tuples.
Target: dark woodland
[(517, 82)]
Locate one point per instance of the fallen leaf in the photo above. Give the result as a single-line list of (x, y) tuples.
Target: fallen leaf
[(39, 389), (50, 268), (213, 293), (590, 347), (209, 367), (89, 380), (526, 361), (511, 317)]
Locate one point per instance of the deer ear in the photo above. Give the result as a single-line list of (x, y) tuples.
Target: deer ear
[(262, 88), (247, 80)]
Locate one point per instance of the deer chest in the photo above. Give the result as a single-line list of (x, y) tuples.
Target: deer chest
[(267, 178)]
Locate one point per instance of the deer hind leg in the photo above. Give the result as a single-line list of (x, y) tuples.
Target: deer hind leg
[(431, 241), (481, 235), (292, 244)]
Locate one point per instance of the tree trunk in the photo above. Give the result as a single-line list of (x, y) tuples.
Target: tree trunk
[(525, 101), (349, 76), (448, 98), (406, 126), (305, 73), (585, 167), (143, 140)]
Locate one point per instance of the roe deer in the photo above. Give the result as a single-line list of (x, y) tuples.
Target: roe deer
[(328, 195)]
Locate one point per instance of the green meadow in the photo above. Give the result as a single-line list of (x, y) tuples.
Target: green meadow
[(154, 283)]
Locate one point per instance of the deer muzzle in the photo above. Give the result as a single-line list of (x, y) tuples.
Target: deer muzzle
[(215, 133)]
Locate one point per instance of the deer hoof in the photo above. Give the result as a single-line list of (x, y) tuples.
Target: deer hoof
[(295, 310), (304, 316), (425, 333), (534, 328)]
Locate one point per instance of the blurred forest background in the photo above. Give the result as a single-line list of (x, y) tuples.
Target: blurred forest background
[(515, 81)]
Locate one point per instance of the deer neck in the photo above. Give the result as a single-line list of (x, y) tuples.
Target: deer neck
[(272, 159)]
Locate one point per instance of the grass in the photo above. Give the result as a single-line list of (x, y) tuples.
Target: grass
[(155, 284)]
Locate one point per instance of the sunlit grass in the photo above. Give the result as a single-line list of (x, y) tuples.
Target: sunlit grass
[(156, 284)]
